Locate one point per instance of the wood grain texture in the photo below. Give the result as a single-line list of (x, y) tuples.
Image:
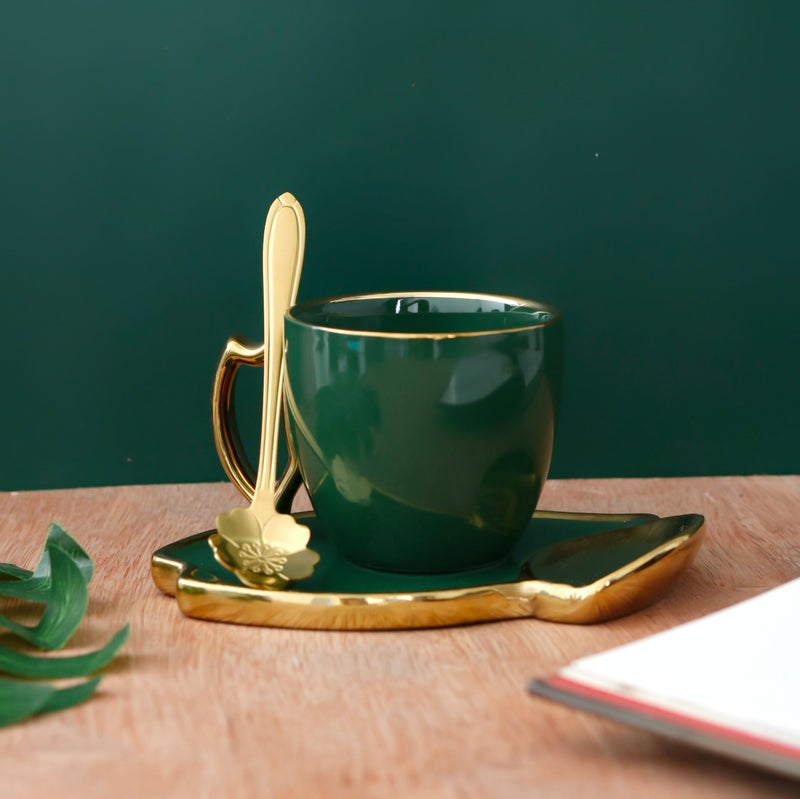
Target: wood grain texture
[(200, 709)]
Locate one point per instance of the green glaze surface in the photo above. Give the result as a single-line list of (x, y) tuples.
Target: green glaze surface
[(423, 452), (571, 551), (428, 313)]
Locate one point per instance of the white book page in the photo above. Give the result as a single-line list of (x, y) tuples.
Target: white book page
[(739, 666)]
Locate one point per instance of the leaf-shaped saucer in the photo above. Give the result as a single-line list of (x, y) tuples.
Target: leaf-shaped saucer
[(567, 567)]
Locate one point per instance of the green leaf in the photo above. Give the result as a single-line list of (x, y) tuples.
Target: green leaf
[(60, 582), (20, 699), (8, 571), (57, 536), (39, 668), (33, 589), (67, 600), (35, 586), (63, 698)]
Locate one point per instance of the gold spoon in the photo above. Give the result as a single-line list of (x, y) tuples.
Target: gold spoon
[(265, 548)]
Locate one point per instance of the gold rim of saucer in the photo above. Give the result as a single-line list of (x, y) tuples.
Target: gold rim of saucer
[(556, 315), (624, 590)]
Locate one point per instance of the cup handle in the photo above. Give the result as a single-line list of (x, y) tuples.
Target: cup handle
[(243, 352)]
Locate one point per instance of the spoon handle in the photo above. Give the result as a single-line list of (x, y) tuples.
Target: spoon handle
[(284, 244)]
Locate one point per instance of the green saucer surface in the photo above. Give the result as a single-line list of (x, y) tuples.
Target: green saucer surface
[(565, 550)]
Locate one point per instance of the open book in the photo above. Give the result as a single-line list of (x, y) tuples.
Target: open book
[(728, 682)]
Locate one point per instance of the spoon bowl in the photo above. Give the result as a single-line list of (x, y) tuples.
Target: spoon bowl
[(263, 556)]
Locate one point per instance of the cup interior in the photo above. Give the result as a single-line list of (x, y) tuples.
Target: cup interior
[(424, 313)]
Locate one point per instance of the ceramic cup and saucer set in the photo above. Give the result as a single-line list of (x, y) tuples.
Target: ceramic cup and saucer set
[(421, 425)]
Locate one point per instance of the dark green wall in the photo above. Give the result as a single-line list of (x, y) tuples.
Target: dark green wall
[(637, 163)]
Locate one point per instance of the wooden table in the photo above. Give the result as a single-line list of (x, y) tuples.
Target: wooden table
[(199, 709)]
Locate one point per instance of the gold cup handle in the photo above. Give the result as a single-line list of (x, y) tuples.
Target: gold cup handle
[(243, 352)]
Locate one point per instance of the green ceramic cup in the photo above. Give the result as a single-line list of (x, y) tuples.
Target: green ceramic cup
[(423, 423)]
